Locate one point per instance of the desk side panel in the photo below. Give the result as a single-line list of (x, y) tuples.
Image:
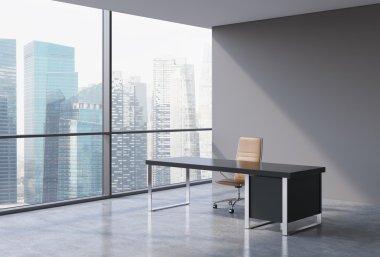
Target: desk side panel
[(304, 197)]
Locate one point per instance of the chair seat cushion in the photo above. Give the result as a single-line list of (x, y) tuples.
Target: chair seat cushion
[(230, 182)]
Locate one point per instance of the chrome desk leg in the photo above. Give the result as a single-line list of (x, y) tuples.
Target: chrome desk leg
[(150, 207), (246, 202), (284, 224), (150, 175)]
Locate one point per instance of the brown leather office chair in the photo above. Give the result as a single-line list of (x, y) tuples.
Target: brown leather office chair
[(249, 149)]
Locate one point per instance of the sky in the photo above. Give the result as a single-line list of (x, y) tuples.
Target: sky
[(138, 40)]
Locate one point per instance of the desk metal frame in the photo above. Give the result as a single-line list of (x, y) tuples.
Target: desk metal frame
[(150, 192)]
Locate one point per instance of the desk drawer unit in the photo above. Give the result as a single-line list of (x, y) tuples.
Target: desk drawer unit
[(304, 197)]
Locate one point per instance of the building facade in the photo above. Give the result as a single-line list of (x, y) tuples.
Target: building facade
[(8, 122), (129, 151), (73, 164), (173, 107), (50, 78)]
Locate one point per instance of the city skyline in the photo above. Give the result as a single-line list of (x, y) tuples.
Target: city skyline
[(27, 26), (152, 38), (55, 87), (63, 108)]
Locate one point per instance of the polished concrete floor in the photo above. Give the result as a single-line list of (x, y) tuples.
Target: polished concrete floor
[(123, 227)]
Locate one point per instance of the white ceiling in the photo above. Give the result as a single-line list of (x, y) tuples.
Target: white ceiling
[(209, 13)]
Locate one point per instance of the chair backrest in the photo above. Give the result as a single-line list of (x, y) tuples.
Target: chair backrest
[(249, 149)]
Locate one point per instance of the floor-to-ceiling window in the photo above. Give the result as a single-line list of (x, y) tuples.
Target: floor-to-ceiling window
[(161, 84), (50, 102), (66, 128)]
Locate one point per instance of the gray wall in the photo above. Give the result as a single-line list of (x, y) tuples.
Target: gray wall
[(310, 86)]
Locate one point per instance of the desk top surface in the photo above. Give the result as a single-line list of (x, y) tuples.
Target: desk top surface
[(264, 169)]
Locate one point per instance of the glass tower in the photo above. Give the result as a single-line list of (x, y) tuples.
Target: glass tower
[(173, 106), (8, 122), (86, 116), (50, 79), (73, 164), (129, 112)]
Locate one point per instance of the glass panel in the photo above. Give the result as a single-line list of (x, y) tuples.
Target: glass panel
[(51, 55), (55, 169), (130, 151), (161, 75)]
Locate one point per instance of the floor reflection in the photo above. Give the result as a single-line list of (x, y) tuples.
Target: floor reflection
[(187, 221), (107, 228), (149, 234), (284, 246), (246, 242)]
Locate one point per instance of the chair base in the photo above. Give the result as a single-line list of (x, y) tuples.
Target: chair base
[(231, 202)]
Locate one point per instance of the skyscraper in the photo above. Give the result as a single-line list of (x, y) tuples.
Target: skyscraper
[(162, 72), (204, 112), (52, 149), (129, 112), (118, 160), (173, 107), (49, 77), (73, 165), (86, 171), (8, 121), (204, 95), (136, 119)]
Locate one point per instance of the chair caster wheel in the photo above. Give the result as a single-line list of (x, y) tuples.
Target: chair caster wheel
[(231, 210), (215, 206), (229, 202)]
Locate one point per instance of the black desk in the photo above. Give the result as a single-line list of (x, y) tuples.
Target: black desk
[(273, 192)]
